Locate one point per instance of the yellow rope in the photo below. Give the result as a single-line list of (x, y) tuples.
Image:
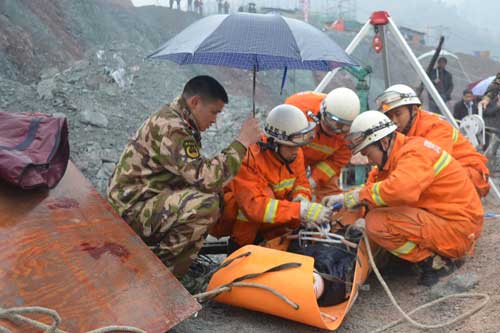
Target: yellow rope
[(406, 316), (15, 316)]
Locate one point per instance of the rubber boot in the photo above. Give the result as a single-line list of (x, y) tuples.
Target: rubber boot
[(434, 267)]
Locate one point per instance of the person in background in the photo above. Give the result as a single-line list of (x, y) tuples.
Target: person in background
[(226, 7), (466, 106), (492, 91), (200, 7), (443, 81)]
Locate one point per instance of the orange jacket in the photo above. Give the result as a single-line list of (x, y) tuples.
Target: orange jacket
[(264, 188), (420, 174), (437, 130), (326, 155)]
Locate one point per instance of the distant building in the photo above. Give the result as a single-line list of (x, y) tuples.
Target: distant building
[(343, 25), (482, 54), (413, 37)]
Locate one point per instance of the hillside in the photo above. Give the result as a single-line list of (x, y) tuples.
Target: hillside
[(86, 60)]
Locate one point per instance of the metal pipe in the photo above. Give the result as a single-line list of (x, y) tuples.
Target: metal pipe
[(429, 85), (421, 72), (385, 57), (350, 48)]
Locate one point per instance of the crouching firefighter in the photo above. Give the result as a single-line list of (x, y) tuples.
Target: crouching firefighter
[(271, 193), (328, 153), (402, 105), (423, 207)]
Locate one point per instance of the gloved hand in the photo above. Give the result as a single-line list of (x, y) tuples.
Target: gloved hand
[(300, 198), (349, 199), (314, 214)]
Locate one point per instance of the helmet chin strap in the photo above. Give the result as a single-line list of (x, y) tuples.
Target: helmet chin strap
[(285, 161), (385, 152), (275, 147), (410, 122)]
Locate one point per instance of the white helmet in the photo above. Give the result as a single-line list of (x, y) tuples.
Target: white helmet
[(341, 104), (287, 125), (396, 96), (369, 127)]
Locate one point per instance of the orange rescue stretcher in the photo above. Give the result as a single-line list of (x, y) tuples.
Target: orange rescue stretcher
[(294, 281)]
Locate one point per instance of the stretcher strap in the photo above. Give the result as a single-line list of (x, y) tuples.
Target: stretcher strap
[(237, 282), (332, 278), (230, 261), (270, 270)]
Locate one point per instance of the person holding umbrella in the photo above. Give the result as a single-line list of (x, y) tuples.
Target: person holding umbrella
[(162, 185), (491, 92)]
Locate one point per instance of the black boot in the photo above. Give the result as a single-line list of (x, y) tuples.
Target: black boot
[(434, 267)]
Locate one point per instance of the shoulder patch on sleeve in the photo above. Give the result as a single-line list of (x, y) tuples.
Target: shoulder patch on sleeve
[(432, 146), (191, 149)]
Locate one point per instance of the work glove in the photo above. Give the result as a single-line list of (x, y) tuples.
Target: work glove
[(313, 214), (300, 198), (349, 199)]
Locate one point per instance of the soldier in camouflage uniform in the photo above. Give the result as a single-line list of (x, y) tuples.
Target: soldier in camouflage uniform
[(164, 188), (492, 91)]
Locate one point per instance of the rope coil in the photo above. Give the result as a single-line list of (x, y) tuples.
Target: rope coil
[(15, 315), (406, 315)]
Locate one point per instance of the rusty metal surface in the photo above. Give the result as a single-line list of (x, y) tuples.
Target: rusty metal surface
[(67, 250)]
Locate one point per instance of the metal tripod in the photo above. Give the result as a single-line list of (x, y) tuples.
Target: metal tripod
[(380, 21)]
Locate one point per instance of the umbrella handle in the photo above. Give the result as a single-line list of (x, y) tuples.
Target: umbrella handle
[(253, 91)]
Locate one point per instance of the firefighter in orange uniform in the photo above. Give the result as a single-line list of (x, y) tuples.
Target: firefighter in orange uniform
[(271, 192), (403, 107), (423, 206), (328, 153)]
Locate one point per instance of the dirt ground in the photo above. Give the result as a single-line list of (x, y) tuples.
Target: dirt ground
[(373, 308)]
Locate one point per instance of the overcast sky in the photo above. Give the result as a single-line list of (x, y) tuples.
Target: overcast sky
[(468, 25)]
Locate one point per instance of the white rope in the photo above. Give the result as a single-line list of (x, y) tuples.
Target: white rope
[(406, 316), (224, 288), (15, 316)]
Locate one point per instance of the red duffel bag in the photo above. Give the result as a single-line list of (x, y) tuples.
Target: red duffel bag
[(34, 149)]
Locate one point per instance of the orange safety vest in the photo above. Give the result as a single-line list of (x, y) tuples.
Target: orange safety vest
[(437, 130), (264, 188), (326, 155), (420, 174)]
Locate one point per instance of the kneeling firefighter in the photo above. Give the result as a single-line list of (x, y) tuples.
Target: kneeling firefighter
[(271, 193), (423, 207), (328, 153), (402, 105)]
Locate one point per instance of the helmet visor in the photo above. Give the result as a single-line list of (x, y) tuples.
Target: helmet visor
[(386, 99), (303, 137), (354, 139), (330, 117)]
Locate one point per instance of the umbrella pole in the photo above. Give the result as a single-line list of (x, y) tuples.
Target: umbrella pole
[(253, 92)]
